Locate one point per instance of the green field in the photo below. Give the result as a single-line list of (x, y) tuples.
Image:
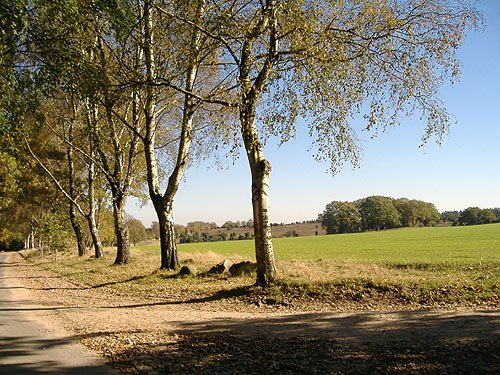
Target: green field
[(459, 245)]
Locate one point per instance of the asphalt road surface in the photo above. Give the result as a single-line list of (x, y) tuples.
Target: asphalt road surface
[(29, 343)]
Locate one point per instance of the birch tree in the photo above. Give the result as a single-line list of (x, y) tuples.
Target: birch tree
[(175, 85), (53, 50), (189, 49), (113, 146), (117, 161), (77, 228), (324, 61)]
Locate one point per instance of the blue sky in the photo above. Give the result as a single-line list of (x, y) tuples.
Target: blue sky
[(464, 171)]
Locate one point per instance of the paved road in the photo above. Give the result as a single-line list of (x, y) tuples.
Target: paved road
[(28, 345)]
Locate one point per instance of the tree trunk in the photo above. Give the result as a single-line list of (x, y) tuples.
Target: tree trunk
[(121, 232), (251, 89), (82, 250), (94, 233), (168, 244), (260, 169), (264, 253), (77, 228), (31, 240)]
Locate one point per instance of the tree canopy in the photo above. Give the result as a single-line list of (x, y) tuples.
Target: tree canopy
[(341, 217), (476, 215)]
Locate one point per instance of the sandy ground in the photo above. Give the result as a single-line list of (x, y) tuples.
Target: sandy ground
[(157, 337)]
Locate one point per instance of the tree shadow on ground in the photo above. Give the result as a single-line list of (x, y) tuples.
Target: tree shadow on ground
[(56, 276), (231, 354), (363, 326), (404, 342)]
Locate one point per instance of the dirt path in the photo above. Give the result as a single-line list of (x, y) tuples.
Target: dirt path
[(28, 345), (142, 336)]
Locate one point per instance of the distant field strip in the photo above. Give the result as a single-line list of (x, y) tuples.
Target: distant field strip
[(401, 246)]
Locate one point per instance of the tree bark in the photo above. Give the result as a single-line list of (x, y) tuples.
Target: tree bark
[(31, 240), (94, 233), (121, 232), (168, 244), (260, 169), (77, 228), (264, 252)]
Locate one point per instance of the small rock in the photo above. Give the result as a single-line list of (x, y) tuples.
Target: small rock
[(243, 268), (222, 267), (188, 270)]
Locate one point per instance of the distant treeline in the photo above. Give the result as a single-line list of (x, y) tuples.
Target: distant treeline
[(379, 212), (201, 231), (472, 216), (371, 213)]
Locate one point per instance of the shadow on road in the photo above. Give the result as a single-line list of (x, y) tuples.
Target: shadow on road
[(24, 355)]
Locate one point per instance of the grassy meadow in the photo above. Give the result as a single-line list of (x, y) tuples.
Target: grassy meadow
[(403, 267), (398, 246)]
